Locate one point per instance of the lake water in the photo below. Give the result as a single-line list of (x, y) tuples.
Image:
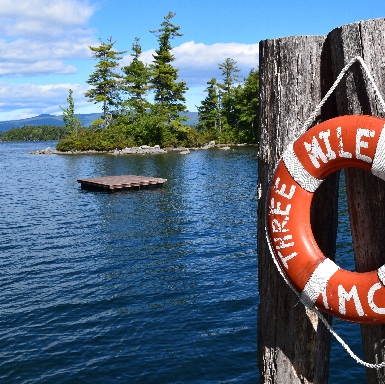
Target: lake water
[(149, 286)]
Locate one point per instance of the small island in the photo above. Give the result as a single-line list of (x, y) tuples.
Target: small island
[(144, 105)]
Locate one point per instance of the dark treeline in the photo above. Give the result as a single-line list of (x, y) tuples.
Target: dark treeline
[(35, 133)]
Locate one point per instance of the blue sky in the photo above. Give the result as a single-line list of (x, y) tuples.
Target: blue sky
[(44, 43)]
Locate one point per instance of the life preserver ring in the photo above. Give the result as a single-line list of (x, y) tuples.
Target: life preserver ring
[(347, 141)]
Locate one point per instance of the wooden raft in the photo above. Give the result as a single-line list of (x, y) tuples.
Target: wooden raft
[(113, 183)]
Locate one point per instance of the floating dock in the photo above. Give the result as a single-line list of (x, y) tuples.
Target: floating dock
[(115, 183)]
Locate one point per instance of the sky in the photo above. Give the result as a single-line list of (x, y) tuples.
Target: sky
[(44, 44)]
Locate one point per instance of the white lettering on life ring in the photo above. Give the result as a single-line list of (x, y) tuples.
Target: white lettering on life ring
[(372, 305), (344, 296), (363, 132)]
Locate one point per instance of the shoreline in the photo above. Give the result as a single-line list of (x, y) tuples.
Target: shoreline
[(142, 150)]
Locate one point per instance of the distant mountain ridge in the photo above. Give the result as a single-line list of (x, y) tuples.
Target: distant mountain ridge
[(85, 118)]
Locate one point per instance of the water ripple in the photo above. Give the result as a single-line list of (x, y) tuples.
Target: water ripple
[(156, 285)]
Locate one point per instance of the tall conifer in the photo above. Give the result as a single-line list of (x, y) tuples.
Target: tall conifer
[(209, 112), (136, 80), (71, 122), (228, 91), (168, 91), (104, 80)]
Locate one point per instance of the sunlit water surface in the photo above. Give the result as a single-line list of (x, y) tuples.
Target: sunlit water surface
[(149, 286)]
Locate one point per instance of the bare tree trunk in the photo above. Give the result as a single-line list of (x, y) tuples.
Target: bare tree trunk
[(293, 346), (366, 193)]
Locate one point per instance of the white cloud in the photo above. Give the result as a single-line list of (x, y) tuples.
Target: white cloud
[(45, 19), (25, 50), (41, 34), (39, 98), (36, 68), (198, 62)]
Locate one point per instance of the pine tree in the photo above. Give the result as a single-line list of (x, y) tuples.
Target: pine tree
[(247, 105), (229, 72), (105, 81), (71, 122), (168, 91), (136, 80), (228, 90), (209, 113)]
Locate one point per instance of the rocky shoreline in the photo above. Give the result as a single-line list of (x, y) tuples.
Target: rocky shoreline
[(142, 150)]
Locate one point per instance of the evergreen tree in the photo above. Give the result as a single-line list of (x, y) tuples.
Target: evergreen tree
[(71, 122), (104, 80), (230, 111), (136, 80), (209, 113), (228, 90), (168, 91), (229, 73), (247, 104)]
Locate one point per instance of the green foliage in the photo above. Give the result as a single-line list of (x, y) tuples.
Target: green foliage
[(151, 129), (34, 133), (136, 81), (88, 139), (71, 122), (228, 91), (147, 128), (104, 80), (247, 102), (228, 114), (209, 110), (168, 91)]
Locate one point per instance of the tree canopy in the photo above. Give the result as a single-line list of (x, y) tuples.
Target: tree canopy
[(71, 122), (105, 80), (136, 80), (168, 91)]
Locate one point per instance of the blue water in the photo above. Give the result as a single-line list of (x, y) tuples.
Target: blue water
[(149, 286)]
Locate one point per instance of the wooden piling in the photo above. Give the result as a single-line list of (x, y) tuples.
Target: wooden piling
[(366, 193), (293, 345), (295, 73)]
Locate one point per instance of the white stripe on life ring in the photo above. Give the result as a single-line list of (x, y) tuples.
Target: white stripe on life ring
[(318, 281), (298, 172), (381, 274)]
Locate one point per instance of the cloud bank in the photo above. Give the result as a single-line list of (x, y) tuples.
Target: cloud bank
[(35, 99), (198, 62), (38, 35)]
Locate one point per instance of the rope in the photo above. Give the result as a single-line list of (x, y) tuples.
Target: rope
[(334, 86), (304, 128), (320, 316)]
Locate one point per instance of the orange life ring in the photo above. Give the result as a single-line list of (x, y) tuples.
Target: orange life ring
[(347, 141)]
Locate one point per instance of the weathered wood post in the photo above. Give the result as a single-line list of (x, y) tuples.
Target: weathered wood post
[(366, 193), (293, 346)]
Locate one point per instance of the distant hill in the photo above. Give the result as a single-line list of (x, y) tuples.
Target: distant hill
[(85, 118)]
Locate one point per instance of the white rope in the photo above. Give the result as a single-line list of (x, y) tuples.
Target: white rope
[(302, 131), (347, 348), (319, 314), (334, 86)]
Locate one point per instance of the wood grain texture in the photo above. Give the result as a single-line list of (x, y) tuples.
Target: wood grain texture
[(293, 346), (366, 193)]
